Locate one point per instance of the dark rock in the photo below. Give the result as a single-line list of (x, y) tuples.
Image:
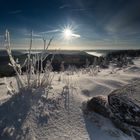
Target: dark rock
[(99, 105), (2, 84), (124, 105)]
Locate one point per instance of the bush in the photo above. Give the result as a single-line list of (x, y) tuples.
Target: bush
[(35, 76)]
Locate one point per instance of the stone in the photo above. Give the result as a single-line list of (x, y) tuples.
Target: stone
[(98, 104), (124, 105)]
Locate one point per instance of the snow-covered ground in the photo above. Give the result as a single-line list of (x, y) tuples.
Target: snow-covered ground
[(74, 125), (95, 54)]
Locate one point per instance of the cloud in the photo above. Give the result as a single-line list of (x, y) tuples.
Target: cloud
[(78, 10), (15, 12), (76, 35), (64, 6), (40, 35), (34, 35), (126, 20), (50, 31)]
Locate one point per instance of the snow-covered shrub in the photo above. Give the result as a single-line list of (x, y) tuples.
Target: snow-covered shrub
[(36, 77), (71, 70)]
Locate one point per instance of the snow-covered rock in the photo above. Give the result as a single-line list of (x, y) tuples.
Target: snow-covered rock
[(99, 105), (124, 105), (133, 69)]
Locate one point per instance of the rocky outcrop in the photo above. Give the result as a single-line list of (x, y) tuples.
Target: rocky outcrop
[(124, 106)]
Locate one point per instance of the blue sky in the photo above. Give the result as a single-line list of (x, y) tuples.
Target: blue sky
[(101, 24)]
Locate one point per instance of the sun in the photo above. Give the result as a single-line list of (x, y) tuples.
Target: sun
[(68, 33)]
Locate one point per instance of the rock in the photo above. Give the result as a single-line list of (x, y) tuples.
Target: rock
[(124, 105), (8, 131), (99, 105), (133, 69), (86, 92), (2, 84)]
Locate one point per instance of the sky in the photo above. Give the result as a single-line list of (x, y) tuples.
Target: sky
[(97, 24)]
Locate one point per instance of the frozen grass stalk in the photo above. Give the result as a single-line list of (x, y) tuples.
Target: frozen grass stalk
[(13, 63), (37, 77)]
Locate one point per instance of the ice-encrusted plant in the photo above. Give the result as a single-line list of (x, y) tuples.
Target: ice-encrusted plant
[(36, 77)]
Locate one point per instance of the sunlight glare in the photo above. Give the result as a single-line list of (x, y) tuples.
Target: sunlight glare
[(68, 33)]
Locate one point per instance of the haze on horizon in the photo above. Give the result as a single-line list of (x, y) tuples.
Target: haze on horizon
[(95, 24)]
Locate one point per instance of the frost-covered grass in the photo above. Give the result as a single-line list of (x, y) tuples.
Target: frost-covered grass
[(37, 77)]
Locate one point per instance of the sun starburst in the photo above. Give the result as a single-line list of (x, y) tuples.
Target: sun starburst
[(68, 33)]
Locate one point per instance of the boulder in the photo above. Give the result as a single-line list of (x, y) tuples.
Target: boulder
[(98, 104), (124, 105)]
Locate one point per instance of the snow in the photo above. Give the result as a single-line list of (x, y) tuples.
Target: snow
[(95, 53), (100, 128), (74, 125)]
